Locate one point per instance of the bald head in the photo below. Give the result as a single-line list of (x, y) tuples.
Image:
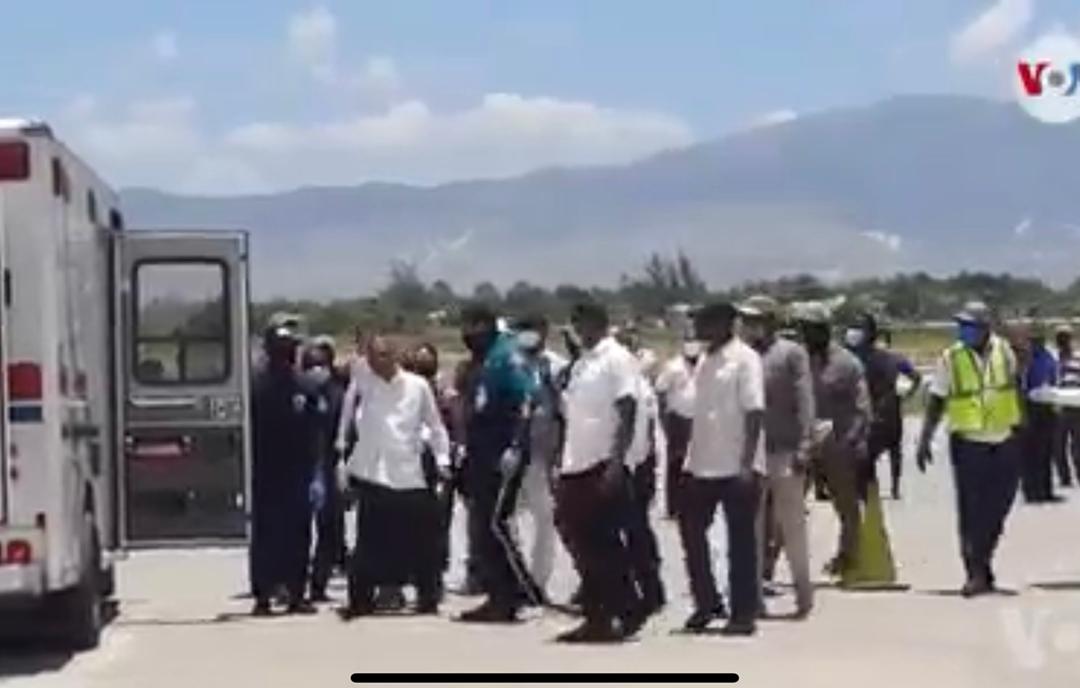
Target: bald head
[(382, 355)]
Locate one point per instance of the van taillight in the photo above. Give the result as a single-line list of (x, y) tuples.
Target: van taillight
[(24, 382), (14, 161), (18, 552)]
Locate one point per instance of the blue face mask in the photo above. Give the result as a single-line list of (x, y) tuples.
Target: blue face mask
[(971, 334)]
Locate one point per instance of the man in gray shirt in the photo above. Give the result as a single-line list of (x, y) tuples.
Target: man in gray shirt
[(789, 418), (842, 401)]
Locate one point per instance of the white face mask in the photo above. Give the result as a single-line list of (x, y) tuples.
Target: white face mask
[(854, 337), (529, 340), (691, 349), (319, 374)]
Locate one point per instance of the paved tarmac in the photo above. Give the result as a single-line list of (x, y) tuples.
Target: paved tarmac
[(180, 622)]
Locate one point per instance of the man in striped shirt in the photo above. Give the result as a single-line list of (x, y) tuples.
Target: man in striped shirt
[(1068, 445)]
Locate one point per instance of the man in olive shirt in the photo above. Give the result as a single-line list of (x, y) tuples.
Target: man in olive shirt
[(842, 399), (789, 418)]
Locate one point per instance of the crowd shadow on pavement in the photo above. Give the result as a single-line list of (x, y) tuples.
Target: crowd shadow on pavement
[(1058, 586)]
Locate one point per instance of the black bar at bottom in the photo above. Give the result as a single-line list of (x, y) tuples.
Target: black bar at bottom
[(546, 678)]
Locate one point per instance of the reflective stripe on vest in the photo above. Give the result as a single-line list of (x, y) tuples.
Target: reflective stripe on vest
[(982, 400)]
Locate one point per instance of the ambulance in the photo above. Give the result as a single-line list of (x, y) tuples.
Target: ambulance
[(124, 395)]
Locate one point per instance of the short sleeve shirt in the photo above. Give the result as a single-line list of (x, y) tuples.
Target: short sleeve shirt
[(676, 384), (729, 383), (598, 379)]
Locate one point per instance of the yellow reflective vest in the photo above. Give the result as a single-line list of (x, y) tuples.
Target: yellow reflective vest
[(982, 400)]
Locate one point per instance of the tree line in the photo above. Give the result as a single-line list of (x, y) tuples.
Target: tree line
[(407, 302)]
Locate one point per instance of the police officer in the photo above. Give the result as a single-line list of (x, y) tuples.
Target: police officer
[(975, 387), (287, 419), (496, 441)]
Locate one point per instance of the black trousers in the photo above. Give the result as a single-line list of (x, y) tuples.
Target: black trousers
[(697, 511), (678, 429), (1067, 449), (641, 541), (1039, 441), (504, 575), (397, 543), (986, 477), (329, 535), (281, 538), (590, 518)]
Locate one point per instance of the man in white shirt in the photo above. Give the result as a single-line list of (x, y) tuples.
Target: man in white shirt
[(724, 466), (545, 439), (600, 405), (397, 539), (645, 453), (675, 388)]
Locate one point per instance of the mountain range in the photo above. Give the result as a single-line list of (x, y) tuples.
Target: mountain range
[(935, 183)]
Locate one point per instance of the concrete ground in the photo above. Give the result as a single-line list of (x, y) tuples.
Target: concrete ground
[(180, 622)]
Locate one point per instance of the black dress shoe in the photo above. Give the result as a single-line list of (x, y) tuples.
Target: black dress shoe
[(302, 607), (699, 621), (261, 608), (427, 608), (739, 628), (975, 587), (349, 613), (490, 612), (592, 632)]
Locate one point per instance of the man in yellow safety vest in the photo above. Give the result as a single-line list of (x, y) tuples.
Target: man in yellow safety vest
[(975, 387)]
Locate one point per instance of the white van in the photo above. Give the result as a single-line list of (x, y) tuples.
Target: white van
[(123, 408)]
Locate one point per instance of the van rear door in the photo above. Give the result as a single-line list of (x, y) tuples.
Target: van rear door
[(183, 388), (5, 477)]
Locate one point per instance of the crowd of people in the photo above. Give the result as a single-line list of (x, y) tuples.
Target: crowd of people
[(760, 405)]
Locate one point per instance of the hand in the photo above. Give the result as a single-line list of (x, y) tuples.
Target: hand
[(923, 456), (317, 492), (510, 462), (614, 476), (746, 476)]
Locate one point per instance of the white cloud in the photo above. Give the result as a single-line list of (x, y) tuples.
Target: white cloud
[(770, 119), (1023, 227), (993, 29), (893, 242), (160, 143), (165, 46), (312, 37)]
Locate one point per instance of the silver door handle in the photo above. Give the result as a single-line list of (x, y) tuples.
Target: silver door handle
[(175, 403)]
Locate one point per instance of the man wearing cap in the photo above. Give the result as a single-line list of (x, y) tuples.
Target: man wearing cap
[(883, 369), (842, 406), (288, 415), (975, 387), (789, 418), (1068, 446), (675, 390), (329, 550), (724, 467)]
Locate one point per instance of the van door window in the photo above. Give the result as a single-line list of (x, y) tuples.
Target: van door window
[(181, 323)]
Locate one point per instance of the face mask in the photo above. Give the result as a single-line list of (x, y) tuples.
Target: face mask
[(854, 337), (970, 334), (319, 374), (529, 340)]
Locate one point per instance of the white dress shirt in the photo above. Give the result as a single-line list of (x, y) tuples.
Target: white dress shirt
[(394, 420), (676, 384), (646, 421), (729, 383), (602, 376)]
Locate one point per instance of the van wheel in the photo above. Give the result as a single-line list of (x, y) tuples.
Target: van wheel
[(81, 607)]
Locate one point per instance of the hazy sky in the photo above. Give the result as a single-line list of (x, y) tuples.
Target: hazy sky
[(225, 97)]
